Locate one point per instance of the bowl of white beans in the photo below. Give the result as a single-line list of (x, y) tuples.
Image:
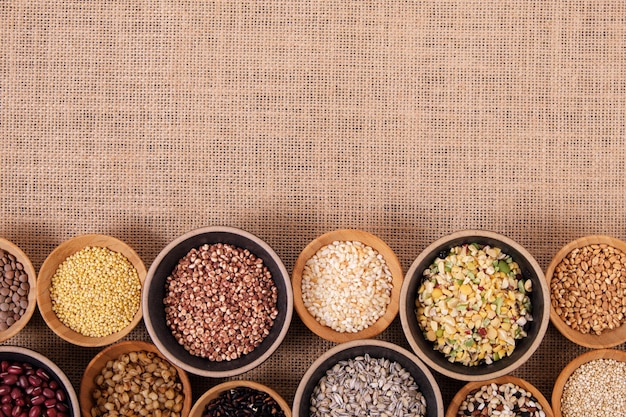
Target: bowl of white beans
[(368, 377), (474, 305), (217, 301), (346, 285)]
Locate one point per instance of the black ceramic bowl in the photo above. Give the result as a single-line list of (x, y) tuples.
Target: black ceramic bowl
[(37, 360), (376, 349), (539, 297), (154, 309)]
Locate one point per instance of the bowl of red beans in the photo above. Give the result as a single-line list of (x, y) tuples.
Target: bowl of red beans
[(31, 385), (474, 305), (217, 301)]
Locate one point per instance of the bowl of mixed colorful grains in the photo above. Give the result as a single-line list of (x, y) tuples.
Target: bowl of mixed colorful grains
[(346, 285), (18, 284), (506, 396), (593, 385), (368, 378), (587, 280), (474, 305), (132, 378), (217, 301), (89, 290), (240, 398)]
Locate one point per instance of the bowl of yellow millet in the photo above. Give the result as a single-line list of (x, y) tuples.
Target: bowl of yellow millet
[(89, 290)]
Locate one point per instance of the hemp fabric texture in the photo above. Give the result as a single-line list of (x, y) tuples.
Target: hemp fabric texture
[(408, 119)]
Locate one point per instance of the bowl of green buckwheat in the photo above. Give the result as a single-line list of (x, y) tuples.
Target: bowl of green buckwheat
[(474, 305)]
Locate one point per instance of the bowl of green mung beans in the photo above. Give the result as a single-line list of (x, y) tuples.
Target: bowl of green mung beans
[(89, 290), (474, 305)]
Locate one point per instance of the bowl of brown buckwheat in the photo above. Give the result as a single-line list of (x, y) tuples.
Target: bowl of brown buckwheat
[(217, 301), (587, 280)]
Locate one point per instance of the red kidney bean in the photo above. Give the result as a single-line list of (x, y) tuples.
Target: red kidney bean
[(48, 392), (10, 379), (16, 393), (15, 370), (35, 411), (17, 410), (60, 395), (37, 400), (62, 407), (42, 374), (50, 403), (4, 389), (7, 409), (51, 412), (34, 380), (6, 399)]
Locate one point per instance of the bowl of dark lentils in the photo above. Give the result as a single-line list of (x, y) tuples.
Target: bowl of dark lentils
[(506, 395), (31, 385), (474, 305), (240, 398), (368, 377), (18, 289), (217, 301)]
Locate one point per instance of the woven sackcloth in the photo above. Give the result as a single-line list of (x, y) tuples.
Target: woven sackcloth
[(411, 120)]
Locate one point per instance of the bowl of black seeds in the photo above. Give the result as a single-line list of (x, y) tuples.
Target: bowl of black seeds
[(240, 398), (217, 301), (368, 377), (18, 294)]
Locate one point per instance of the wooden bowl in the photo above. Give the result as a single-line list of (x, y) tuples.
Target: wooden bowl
[(155, 288), (539, 297), (344, 235), (49, 268), (559, 385), (376, 349), (608, 338), (113, 352), (198, 408), (21, 257), (460, 396)]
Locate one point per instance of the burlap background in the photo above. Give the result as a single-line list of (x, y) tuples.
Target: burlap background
[(409, 119)]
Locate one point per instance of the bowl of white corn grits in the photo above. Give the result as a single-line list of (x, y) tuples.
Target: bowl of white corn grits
[(474, 305), (361, 377), (217, 301), (346, 285)]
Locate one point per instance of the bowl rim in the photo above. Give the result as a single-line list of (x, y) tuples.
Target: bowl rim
[(51, 264), (545, 295), (568, 370), (462, 393), (298, 397), (21, 256), (214, 391), (58, 373), (608, 338), (127, 346), (368, 239), (150, 325)]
